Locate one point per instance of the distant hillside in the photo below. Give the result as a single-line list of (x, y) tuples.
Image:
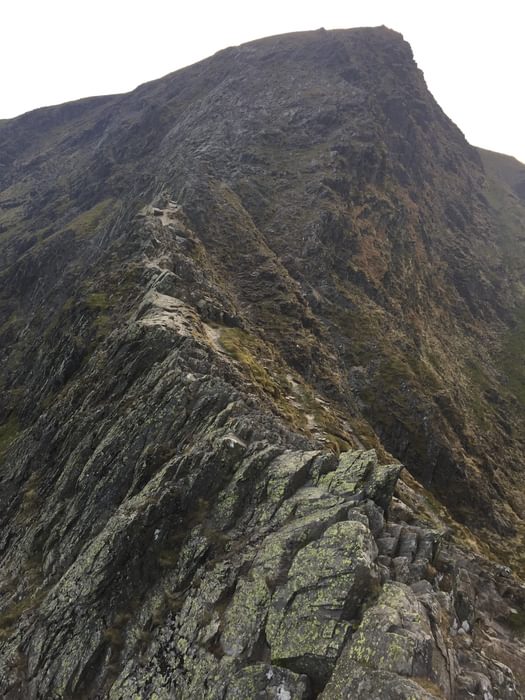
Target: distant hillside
[(507, 169)]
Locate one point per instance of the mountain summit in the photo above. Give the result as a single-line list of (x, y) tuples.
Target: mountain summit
[(262, 325)]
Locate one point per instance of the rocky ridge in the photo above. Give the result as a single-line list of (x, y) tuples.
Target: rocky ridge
[(211, 376)]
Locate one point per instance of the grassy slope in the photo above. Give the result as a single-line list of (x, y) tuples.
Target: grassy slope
[(505, 169)]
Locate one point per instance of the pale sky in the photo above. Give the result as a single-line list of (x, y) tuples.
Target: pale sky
[(472, 53)]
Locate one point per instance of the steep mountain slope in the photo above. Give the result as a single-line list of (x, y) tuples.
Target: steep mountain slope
[(219, 294), (505, 170)]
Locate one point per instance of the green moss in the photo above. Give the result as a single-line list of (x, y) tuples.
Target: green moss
[(360, 326), (393, 371), (292, 398), (476, 374), (100, 303)]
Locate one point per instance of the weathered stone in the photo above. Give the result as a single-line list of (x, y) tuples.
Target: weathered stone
[(464, 596), (307, 623), (352, 681), (394, 637), (380, 486), (360, 474), (358, 516), (265, 682), (401, 569), (285, 475), (408, 544), (245, 616), (376, 519), (387, 545), (351, 473), (427, 545)]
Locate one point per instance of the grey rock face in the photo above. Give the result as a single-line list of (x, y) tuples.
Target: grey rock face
[(326, 585), (265, 682)]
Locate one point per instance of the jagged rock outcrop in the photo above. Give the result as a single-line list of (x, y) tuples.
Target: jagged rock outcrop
[(211, 376)]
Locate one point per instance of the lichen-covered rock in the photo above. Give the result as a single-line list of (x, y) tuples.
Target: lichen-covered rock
[(394, 636), (359, 475), (309, 617), (285, 475), (245, 616)]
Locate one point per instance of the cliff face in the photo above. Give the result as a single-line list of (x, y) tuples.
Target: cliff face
[(232, 303)]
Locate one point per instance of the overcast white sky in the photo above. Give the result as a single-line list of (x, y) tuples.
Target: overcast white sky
[(472, 53)]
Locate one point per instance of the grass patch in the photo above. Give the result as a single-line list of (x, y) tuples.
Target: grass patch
[(337, 444), (8, 433), (100, 304), (513, 356), (516, 621), (242, 347), (509, 214), (30, 500), (87, 222), (479, 382), (114, 637), (292, 398), (10, 617), (103, 325), (98, 301), (249, 352), (430, 687)]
